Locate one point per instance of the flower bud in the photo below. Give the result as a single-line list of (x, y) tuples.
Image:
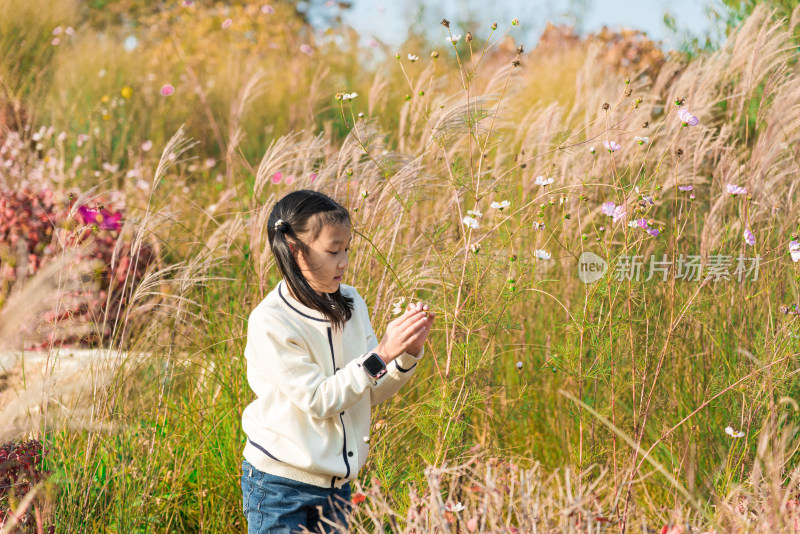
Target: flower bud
[(515, 22), (435, 54), (494, 25), (468, 37), (349, 171), (445, 23)]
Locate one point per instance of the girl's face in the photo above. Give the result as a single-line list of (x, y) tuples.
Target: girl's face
[(327, 259)]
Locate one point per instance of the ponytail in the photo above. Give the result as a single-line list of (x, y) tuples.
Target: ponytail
[(304, 213)]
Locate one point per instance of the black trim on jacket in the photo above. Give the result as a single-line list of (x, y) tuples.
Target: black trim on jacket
[(280, 293)]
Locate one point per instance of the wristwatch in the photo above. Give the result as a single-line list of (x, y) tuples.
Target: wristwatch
[(373, 365)]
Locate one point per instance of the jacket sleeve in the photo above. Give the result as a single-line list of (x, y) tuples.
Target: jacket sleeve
[(278, 357), (398, 372)]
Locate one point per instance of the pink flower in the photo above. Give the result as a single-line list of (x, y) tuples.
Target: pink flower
[(188, 3), (373, 43), (614, 211), (55, 41), (306, 49), (687, 119), (226, 23), (736, 190), (276, 178), (167, 90), (472, 524), (685, 187), (611, 146), (749, 238), (312, 177), (104, 219), (289, 179), (267, 9)]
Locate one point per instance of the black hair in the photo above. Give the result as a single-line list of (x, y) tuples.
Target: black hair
[(305, 213)]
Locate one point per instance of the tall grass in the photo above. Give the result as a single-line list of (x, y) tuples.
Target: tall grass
[(608, 401)]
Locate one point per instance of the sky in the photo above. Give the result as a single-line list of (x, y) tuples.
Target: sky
[(390, 20)]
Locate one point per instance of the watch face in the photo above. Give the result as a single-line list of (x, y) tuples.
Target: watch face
[(373, 364)]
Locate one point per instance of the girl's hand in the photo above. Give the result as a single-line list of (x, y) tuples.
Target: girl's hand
[(417, 340), (407, 333)]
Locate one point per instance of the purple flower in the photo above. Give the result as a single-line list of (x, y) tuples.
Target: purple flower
[(611, 146), (736, 190), (749, 238), (687, 119), (306, 49), (653, 232), (685, 187), (642, 222)]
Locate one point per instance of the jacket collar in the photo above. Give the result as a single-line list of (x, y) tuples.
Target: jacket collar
[(297, 306)]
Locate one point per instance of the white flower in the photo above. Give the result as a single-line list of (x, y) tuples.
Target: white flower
[(454, 508), (642, 140), (365, 193), (632, 223), (794, 250), (500, 205), (146, 146), (474, 213), (519, 365), (412, 58), (542, 254), (475, 247), (453, 39), (349, 96), (366, 439), (543, 180), (470, 222), (398, 305), (592, 150), (732, 433)]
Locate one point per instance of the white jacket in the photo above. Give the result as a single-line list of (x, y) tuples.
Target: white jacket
[(311, 419)]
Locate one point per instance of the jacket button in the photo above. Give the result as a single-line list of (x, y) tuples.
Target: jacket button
[(350, 453)]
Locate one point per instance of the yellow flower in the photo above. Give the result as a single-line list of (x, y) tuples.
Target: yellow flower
[(106, 117), (105, 99), (126, 92)]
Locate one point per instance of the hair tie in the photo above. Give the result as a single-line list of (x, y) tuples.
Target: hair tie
[(280, 225)]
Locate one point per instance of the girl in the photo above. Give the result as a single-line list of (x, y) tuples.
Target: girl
[(316, 368)]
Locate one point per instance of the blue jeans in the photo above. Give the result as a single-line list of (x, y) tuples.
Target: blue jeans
[(278, 505)]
